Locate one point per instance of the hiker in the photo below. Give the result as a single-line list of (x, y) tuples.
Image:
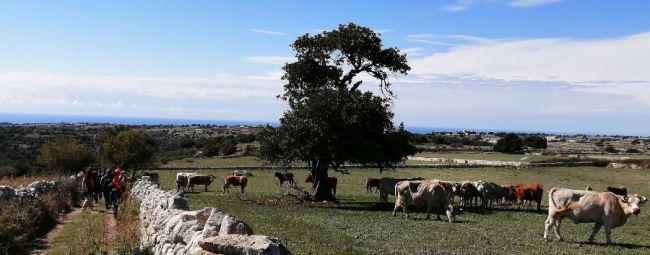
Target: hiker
[(117, 186), (89, 187), (106, 185)]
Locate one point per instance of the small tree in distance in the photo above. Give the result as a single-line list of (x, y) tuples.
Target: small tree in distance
[(65, 155), (511, 143)]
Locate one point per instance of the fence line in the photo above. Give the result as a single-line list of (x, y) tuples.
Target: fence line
[(459, 165)]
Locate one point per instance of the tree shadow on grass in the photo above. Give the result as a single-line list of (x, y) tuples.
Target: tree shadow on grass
[(622, 245)]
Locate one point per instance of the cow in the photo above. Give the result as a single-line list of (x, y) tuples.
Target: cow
[(621, 190), (491, 192), (428, 193), (449, 188), (467, 193), (588, 188), (182, 180), (530, 191), (581, 206), (233, 180), (387, 187), (372, 183), (285, 177), (199, 180), (332, 181)]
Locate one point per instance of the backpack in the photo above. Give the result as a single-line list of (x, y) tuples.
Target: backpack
[(106, 180)]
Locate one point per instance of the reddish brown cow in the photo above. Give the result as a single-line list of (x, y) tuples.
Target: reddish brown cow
[(372, 182), (233, 180), (332, 181), (529, 191), (622, 190)]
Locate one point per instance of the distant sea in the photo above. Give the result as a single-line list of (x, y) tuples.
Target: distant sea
[(30, 118)]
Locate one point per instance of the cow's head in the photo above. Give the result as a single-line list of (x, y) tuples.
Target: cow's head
[(212, 177), (635, 202), (451, 212), (456, 187)]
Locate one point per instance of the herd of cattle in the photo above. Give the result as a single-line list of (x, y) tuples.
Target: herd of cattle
[(608, 209)]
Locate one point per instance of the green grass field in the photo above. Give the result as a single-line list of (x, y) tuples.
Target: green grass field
[(357, 225)]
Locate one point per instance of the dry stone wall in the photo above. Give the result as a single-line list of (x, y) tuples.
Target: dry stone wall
[(168, 224)]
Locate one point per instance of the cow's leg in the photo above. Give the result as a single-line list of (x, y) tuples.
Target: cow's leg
[(547, 227), (558, 229), (242, 188), (395, 209), (595, 230), (206, 188)]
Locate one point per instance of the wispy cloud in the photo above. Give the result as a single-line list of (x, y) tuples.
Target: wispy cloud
[(531, 3), (450, 40), (268, 32), (461, 5), (270, 60), (413, 52)]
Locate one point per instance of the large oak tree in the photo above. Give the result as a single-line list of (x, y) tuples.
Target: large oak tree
[(331, 122)]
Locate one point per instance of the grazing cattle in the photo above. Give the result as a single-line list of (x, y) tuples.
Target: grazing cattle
[(182, 180), (285, 177), (199, 180), (467, 192), (332, 181), (622, 190), (372, 183), (233, 180), (531, 191), (491, 192), (423, 193), (387, 186), (582, 206)]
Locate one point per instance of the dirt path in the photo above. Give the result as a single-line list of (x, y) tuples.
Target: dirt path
[(44, 243), (110, 224)]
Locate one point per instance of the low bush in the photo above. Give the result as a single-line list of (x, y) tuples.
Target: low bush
[(26, 220)]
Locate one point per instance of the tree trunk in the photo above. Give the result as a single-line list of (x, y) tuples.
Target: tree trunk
[(320, 185)]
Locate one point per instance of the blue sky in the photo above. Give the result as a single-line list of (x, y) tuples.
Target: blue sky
[(534, 65)]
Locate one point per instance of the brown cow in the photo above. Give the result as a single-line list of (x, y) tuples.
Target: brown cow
[(582, 206), (332, 181), (372, 183), (467, 192), (233, 180), (199, 180), (622, 190), (530, 191)]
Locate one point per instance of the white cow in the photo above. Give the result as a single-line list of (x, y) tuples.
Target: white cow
[(387, 186), (182, 179), (490, 192), (423, 193), (582, 206)]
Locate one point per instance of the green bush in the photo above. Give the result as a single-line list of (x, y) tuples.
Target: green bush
[(25, 220)]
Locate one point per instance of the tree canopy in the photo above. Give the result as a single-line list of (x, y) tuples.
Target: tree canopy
[(129, 149), (537, 142), (331, 122), (511, 143), (65, 155)]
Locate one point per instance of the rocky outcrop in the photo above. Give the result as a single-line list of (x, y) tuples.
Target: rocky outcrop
[(168, 224)]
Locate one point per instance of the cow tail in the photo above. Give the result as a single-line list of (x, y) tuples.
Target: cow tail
[(550, 197)]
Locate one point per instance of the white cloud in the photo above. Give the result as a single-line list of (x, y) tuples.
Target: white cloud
[(611, 65), (270, 60), (413, 52), (531, 3), (268, 32), (461, 5)]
